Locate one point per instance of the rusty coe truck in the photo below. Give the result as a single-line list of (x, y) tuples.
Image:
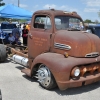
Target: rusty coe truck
[(59, 53)]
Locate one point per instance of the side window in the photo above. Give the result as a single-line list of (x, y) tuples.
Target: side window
[(42, 22), (57, 21)]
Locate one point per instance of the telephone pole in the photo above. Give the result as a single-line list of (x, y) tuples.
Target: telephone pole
[(18, 3)]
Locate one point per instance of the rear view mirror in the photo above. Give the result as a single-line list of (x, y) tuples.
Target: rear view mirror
[(88, 31)]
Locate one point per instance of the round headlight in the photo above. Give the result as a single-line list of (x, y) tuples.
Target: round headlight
[(76, 72)]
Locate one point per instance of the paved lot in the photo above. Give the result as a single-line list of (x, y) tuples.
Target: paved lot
[(15, 85)]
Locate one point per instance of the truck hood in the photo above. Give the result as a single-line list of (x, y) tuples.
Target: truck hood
[(76, 43)]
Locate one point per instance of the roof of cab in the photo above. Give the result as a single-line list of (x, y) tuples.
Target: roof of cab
[(54, 12)]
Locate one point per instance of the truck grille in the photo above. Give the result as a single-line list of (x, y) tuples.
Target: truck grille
[(90, 69), (93, 54)]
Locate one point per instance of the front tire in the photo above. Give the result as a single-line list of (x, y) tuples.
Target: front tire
[(45, 77)]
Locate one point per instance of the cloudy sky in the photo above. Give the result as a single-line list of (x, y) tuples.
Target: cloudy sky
[(87, 9)]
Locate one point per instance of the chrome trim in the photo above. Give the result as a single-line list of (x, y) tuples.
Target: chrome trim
[(21, 60), (93, 54), (44, 76), (62, 46)]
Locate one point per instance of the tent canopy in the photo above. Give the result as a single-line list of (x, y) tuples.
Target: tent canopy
[(12, 11)]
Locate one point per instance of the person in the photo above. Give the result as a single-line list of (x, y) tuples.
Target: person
[(11, 39), (28, 26), (2, 37), (24, 35), (81, 26), (15, 31), (17, 39)]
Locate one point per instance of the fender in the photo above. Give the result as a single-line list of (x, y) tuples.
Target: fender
[(56, 64), (60, 66)]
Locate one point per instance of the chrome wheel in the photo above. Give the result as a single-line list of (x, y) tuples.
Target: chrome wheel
[(44, 76)]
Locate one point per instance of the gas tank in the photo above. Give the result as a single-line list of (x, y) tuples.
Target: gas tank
[(76, 43)]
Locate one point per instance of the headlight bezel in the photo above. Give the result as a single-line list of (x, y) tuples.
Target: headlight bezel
[(75, 73)]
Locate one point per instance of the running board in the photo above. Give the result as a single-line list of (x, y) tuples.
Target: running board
[(27, 71)]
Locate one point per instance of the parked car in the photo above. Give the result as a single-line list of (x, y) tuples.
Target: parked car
[(7, 27), (95, 29)]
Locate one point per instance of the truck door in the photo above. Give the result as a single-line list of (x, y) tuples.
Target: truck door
[(39, 35)]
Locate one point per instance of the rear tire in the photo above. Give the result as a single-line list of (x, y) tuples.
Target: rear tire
[(3, 53), (45, 78), (0, 95)]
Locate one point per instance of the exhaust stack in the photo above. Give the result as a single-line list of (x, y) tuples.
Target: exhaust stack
[(21, 60)]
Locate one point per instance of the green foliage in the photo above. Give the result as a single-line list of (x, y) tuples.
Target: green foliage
[(87, 21), (2, 3), (22, 20), (99, 13)]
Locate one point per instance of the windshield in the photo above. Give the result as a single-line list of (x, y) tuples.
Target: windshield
[(65, 22), (8, 26)]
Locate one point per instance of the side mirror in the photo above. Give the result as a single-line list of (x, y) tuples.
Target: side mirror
[(88, 31)]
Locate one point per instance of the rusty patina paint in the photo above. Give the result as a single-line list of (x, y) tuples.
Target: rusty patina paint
[(61, 68), (41, 50), (81, 43)]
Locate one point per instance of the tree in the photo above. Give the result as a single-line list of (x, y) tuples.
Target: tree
[(87, 21), (96, 21), (2, 3), (99, 13)]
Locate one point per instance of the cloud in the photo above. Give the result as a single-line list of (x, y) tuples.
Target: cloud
[(47, 6), (67, 8), (63, 7), (36, 6), (23, 5), (12, 0), (91, 10), (91, 3)]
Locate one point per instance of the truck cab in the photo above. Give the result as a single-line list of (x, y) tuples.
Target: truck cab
[(47, 25)]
